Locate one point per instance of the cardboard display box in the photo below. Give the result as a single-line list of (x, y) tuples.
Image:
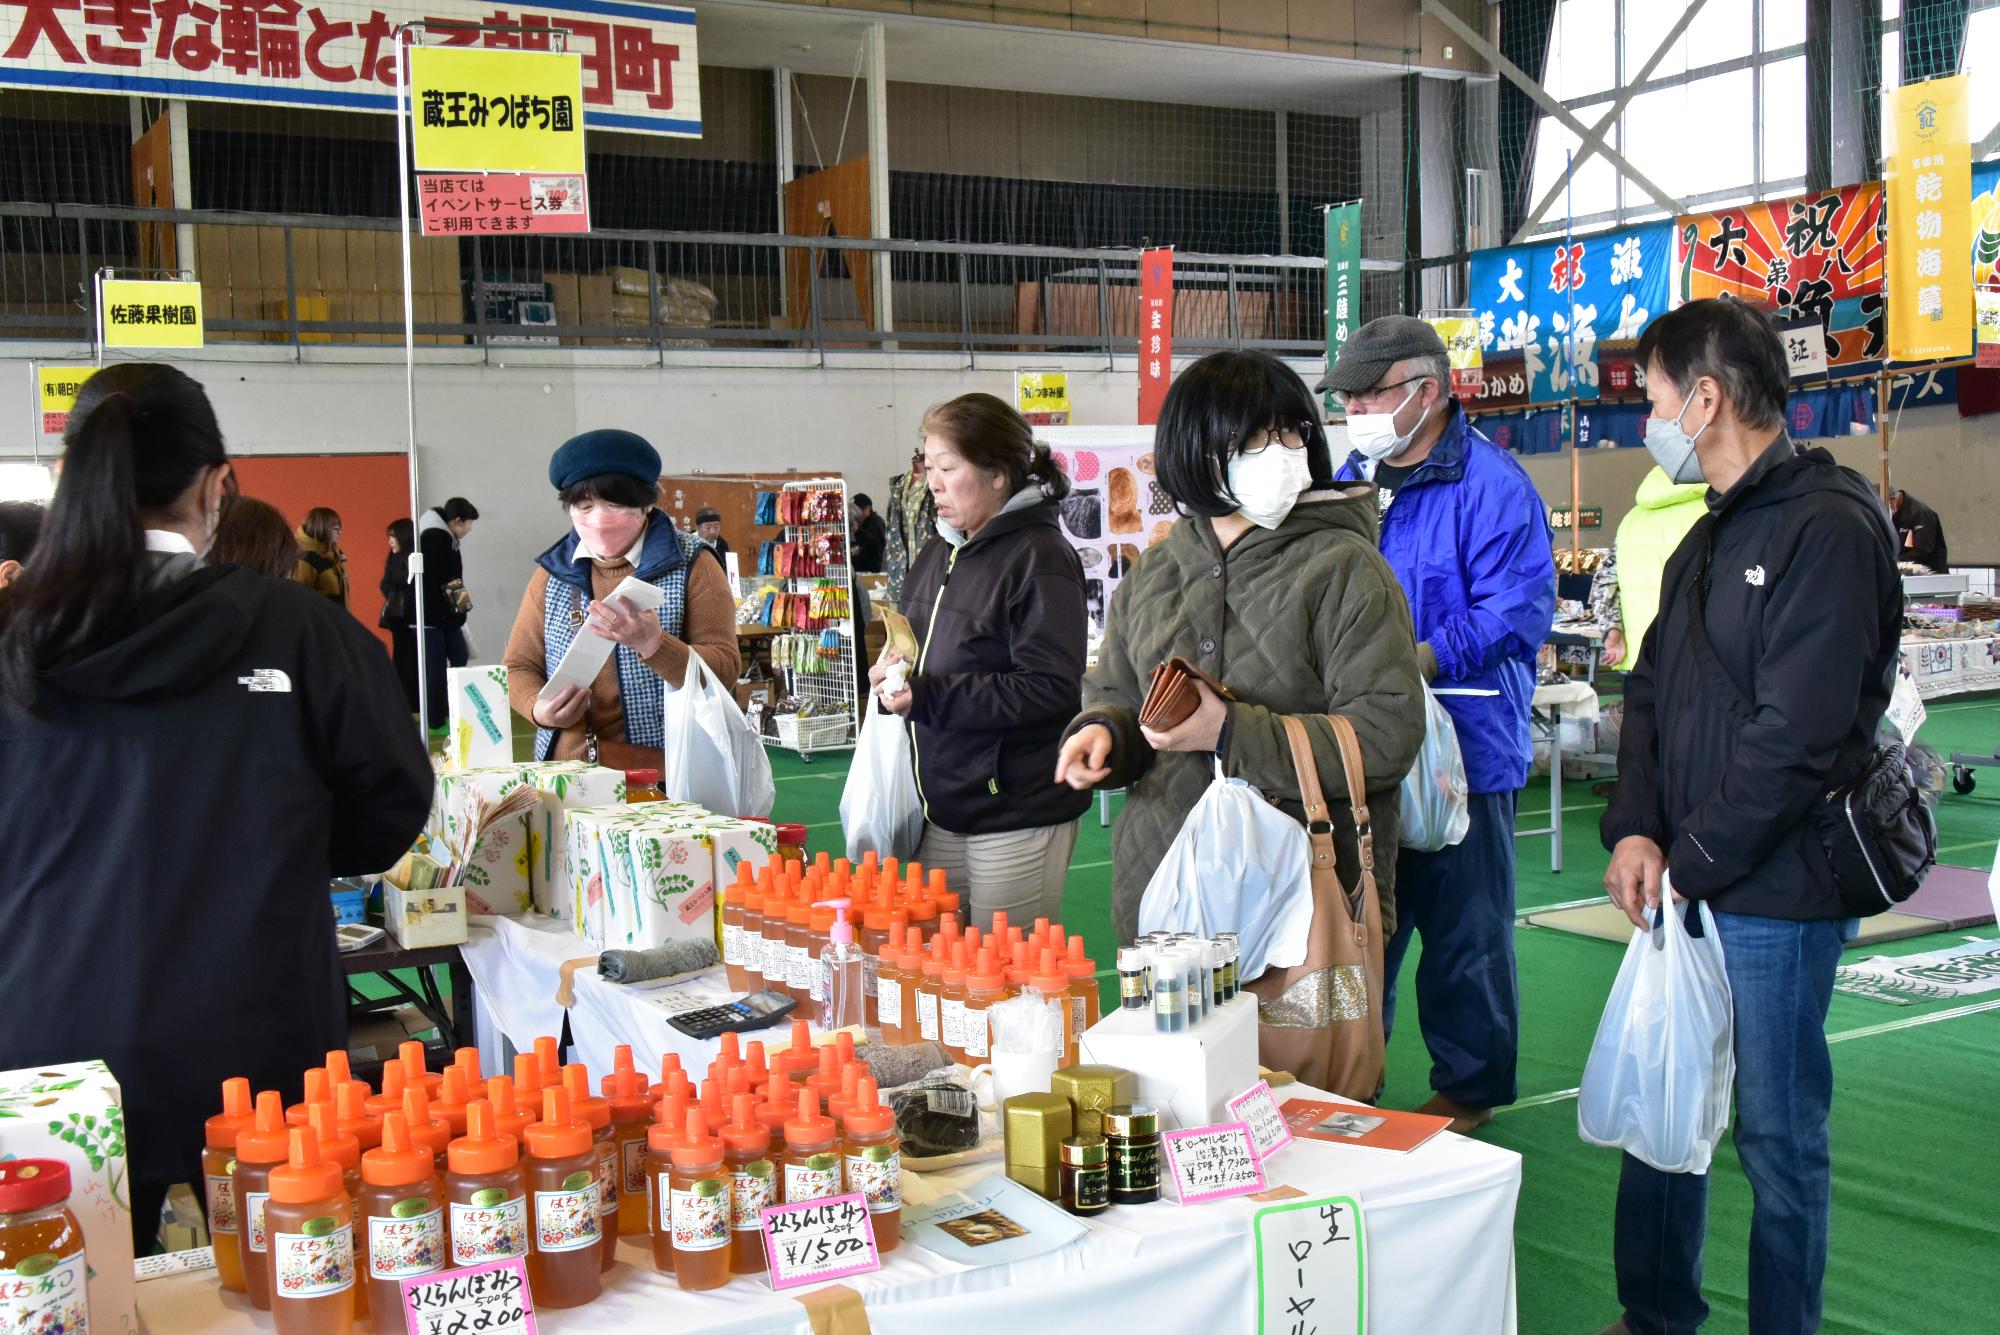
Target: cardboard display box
[(1189, 1076)]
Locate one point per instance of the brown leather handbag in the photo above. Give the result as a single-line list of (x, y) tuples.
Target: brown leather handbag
[(1321, 1019)]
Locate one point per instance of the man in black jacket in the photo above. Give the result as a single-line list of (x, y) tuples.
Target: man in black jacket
[(870, 536), (1919, 532), (1759, 687)]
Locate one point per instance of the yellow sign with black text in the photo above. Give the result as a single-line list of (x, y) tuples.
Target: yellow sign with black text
[(475, 110), (148, 313), (1462, 349), (1927, 176), (1042, 397), (56, 388)]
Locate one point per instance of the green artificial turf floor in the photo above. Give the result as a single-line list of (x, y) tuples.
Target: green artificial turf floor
[(1915, 1229)]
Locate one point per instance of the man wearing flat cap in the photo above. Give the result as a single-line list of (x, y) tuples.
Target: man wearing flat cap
[(1466, 534)]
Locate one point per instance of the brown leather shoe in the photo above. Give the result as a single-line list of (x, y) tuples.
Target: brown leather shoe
[(1465, 1119), (1616, 1328)]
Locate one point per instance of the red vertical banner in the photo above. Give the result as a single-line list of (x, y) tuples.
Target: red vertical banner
[(1156, 331)]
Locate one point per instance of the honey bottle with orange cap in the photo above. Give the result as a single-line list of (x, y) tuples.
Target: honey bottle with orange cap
[(565, 1237), (487, 1195), (401, 1209), (310, 1218), (218, 1168), (259, 1148)]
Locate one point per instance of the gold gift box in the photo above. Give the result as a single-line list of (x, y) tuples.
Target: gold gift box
[(1036, 1126), (1091, 1090)]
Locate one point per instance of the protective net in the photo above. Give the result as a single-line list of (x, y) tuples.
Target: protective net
[(1732, 102)]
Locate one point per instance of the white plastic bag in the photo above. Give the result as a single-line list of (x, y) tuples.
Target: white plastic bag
[(1435, 809), (1238, 865), (1658, 1081), (712, 757), (880, 811)]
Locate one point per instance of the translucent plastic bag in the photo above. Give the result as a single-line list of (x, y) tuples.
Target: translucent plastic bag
[(1435, 810), (712, 758), (880, 810), (1658, 1081), (1238, 865)]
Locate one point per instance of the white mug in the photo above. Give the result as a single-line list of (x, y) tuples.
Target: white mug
[(1011, 1073)]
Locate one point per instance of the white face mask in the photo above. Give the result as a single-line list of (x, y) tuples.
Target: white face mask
[(1672, 447), (1267, 485), (1374, 435)]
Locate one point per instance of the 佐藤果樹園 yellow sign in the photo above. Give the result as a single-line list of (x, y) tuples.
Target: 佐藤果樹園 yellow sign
[(150, 313)]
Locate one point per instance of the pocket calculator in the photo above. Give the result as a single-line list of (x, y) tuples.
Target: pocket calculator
[(759, 1010)]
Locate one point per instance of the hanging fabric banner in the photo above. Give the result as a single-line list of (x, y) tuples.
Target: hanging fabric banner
[(1343, 278), (1985, 228), (1156, 331), (1610, 286), (640, 62), (1928, 178), (1809, 259)]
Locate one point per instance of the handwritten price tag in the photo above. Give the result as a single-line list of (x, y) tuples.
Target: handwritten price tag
[(815, 1241), (491, 1299), (1312, 1268), (1257, 1109), (1212, 1162)]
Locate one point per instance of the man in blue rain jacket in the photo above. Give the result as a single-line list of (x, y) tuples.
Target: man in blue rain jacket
[(1466, 533)]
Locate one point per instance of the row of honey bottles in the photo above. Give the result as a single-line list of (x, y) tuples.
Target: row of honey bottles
[(778, 921), (319, 1212), (941, 990)]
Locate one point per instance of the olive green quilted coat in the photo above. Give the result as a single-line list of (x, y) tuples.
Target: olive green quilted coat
[(1305, 619)]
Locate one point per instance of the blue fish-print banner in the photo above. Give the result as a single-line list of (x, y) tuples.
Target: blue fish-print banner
[(1612, 285)]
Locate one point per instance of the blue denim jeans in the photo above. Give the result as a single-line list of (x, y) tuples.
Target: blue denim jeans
[(1780, 981)]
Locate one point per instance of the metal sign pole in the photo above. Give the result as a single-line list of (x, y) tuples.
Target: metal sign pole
[(403, 39)]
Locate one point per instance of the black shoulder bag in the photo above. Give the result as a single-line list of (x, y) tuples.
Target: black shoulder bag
[(1879, 836)]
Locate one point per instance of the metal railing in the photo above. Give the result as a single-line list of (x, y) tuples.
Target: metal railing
[(305, 280)]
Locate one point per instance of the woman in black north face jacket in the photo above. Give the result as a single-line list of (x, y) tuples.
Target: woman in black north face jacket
[(997, 604), (187, 754)]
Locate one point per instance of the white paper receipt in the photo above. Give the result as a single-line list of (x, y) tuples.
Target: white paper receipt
[(589, 651)]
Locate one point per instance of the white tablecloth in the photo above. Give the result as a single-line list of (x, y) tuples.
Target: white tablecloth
[(516, 966), (1440, 1224), (1952, 667)]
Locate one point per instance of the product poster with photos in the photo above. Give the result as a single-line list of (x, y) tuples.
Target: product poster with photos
[(1610, 286), (1814, 258), (1115, 508)]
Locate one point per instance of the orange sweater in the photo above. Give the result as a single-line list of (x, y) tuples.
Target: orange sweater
[(709, 627)]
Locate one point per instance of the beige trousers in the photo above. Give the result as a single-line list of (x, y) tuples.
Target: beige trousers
[(1019, 872)]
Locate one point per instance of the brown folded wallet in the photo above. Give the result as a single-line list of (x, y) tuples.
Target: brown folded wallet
[(1172, 698)]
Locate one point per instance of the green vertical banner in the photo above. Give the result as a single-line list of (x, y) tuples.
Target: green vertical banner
[(1343, 278)]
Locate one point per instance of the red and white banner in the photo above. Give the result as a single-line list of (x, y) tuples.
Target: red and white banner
[(639, 62), (455, 204), (1156, 332)]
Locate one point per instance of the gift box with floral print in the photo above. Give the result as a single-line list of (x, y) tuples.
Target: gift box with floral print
[(564, 786), (482, 726), (587, 844), (73, 1112), (479, 819)]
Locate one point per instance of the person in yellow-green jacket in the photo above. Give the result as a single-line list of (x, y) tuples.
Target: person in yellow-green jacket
[(1625, 594)]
